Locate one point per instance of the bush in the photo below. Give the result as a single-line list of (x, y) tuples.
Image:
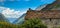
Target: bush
[(33, 23)]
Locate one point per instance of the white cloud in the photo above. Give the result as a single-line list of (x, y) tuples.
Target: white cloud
[(10, 13)]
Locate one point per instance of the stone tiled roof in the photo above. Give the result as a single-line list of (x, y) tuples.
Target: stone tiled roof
[(53, 14)]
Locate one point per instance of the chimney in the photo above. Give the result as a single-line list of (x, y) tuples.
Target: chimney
[(30, 9)]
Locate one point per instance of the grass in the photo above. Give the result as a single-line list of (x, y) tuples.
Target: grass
[(8, 25)]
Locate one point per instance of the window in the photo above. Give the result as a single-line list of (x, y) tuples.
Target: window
[(50, 19)]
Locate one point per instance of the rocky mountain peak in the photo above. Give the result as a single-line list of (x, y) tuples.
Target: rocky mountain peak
[(53, 6)]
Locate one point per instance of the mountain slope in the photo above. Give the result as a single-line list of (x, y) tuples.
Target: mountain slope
[(40, 7), (20, 20), (55, 4), (3, 18)]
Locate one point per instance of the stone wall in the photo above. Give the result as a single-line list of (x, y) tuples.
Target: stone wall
[(51, 22)]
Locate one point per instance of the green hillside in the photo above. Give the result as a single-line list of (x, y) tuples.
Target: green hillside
[(7, 25)]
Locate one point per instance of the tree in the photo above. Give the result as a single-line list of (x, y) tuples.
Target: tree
[(33, 23)]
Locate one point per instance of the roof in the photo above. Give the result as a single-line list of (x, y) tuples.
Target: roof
[(52, 14)]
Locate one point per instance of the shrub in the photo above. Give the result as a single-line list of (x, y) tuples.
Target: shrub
[(33, 23)]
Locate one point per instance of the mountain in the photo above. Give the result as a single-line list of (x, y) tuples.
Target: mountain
[(3, 18), (54, 6), (12, 19), (40, 7), (20, 20)]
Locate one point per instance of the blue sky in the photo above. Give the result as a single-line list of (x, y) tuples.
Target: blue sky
[(15, 8), (24, 3)]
